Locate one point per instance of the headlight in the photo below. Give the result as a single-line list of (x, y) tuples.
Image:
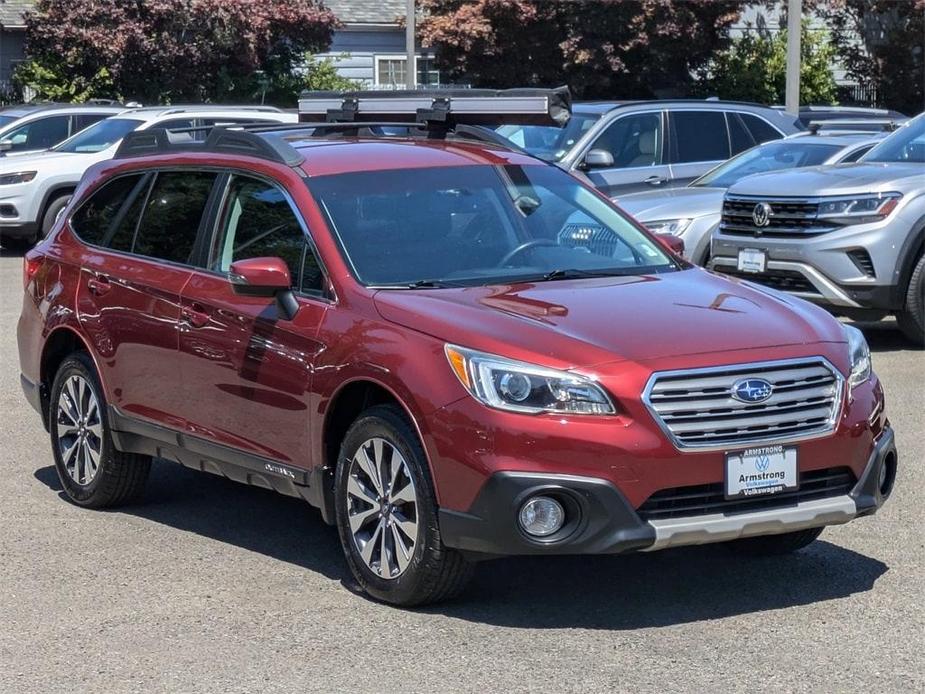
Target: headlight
[(14, 178), (859, 356), (521, 387), (859, 209), (668, 226)]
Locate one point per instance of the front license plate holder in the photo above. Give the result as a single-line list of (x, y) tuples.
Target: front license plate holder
[(761, 471), (752, 260)]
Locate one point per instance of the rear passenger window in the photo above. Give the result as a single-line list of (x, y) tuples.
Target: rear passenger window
[(760, 129), (108, 209), (698, 136), (172, 214), (259, 222), (739, 137)]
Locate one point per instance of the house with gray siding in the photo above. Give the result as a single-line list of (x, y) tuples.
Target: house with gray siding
[(12, 36), (370, 46)]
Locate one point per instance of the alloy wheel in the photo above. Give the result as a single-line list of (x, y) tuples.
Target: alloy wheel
[(80, 430), (382, 508)]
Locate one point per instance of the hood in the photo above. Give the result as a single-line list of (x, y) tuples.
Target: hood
[(48, 161), (674, 203), (576, 323), (834, 179)]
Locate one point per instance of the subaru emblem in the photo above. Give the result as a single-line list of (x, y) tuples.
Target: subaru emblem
[(761, 214), (752, 390)]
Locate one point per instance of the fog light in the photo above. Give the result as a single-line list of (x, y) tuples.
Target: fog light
[(541, 516)]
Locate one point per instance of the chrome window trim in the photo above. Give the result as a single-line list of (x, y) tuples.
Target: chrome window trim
[(822, 432)]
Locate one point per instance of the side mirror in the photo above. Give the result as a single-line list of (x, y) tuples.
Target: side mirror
[(265, 277), (598, 159), (671, 242), (6, 145)]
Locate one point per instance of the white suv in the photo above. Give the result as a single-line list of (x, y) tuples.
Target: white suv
[(31, 128), (35, 188)]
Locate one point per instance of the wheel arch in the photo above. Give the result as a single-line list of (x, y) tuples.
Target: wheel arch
[(909, 255), (346, 403), (53, 193), (60, 343)]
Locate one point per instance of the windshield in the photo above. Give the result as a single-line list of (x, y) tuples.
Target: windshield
[(905, 145), (771, 156), (477, 225), (100, 136), (547, 142)]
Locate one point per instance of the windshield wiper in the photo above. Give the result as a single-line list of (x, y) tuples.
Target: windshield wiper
[(573, 273), (430, 284)]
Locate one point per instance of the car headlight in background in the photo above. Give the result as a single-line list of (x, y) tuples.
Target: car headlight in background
[(859, 209), (859, 356), (521, 387), (675, 227), (14, 178)]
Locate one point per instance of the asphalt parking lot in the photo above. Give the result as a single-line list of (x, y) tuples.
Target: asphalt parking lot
[(210, 586)]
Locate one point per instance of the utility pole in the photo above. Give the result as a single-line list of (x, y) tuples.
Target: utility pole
[(411, 73), (794, 31)]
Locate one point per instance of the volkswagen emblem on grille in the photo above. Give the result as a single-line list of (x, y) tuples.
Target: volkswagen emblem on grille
[(751, 390), (761, 214)]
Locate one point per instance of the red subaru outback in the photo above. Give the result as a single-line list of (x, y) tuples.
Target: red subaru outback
[(454, 350)]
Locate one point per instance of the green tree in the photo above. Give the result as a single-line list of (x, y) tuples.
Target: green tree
[(754, 68), (890, 56), (600, 48), (169, 50)]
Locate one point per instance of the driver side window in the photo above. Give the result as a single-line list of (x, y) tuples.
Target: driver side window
[(633, 140), (258, 222)]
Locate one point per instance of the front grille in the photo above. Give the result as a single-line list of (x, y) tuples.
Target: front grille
[(697, 408), (706, 499), (783, 280), (787, 217)]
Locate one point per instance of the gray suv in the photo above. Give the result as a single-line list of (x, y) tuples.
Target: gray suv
[(626, 147), (848, 236)]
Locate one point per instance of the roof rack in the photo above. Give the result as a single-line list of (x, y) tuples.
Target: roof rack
[(865, 124), (444, 108), (221, 139)]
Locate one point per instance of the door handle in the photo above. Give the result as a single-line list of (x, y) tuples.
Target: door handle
[(99, 285), (195, 316), (655, 180)]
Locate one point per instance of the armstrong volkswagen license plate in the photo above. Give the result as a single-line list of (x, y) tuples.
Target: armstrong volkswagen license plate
[(752, 260), (761, 471)]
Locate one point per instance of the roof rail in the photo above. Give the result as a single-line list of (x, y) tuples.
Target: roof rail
[(221, 140), (444, 108)]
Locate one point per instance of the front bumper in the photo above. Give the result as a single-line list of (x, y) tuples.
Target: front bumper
[(607, 524), (25, 230)]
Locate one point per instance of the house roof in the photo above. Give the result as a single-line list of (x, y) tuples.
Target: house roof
[(11, 12), (366, 11)]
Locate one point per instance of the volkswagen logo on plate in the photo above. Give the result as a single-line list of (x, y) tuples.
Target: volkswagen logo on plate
[(752, 390), (761, 214)]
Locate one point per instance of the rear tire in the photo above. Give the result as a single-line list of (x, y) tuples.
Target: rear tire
[(93, 473), (51, 214), (387, 514), (911, 319), (772, 545)]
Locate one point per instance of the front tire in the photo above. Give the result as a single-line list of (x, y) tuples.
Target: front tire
[(51, 214), (774, 545), (911, 319), (93, 473), (387, 514)]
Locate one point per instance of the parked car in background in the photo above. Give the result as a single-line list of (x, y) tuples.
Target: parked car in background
[(847, 236), (694, 212), (27, 128), (34, 189), (625, 147), (456, 351)]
